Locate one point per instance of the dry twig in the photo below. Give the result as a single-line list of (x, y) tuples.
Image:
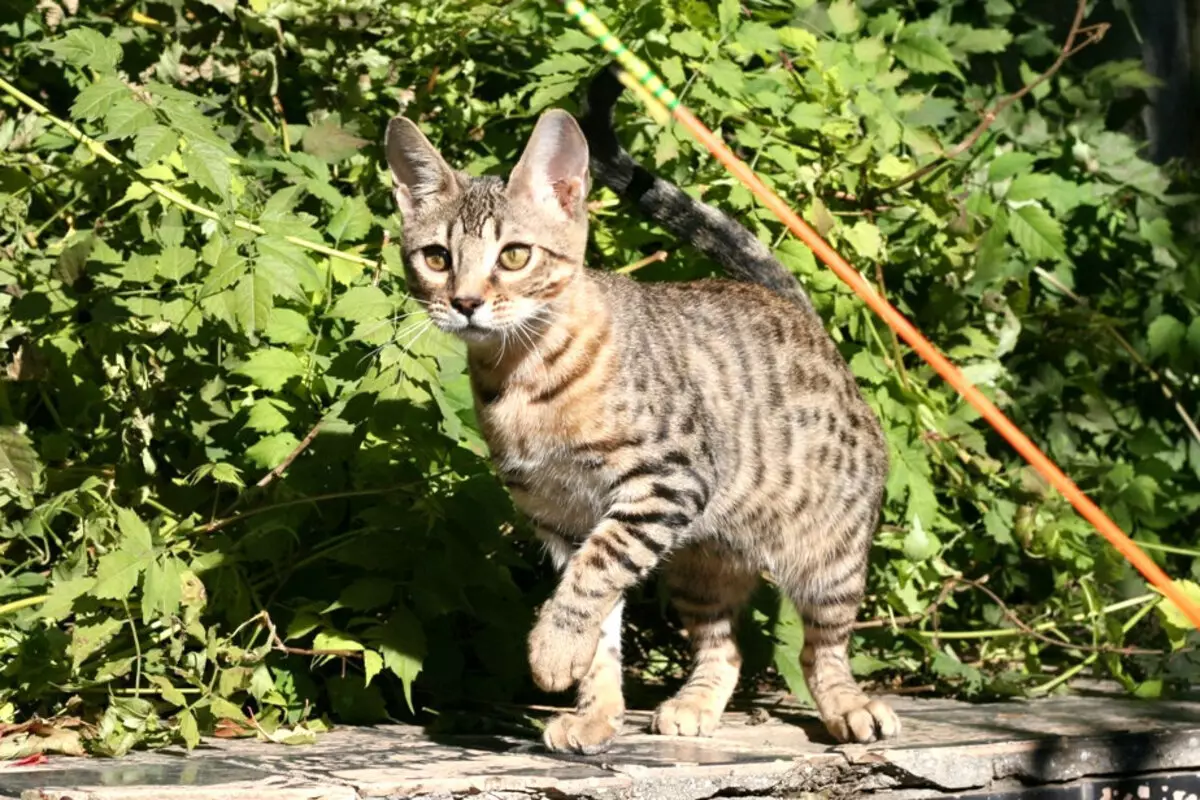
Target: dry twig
[(1080, 37)]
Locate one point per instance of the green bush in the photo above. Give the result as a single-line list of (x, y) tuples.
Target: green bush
[(206, 286)]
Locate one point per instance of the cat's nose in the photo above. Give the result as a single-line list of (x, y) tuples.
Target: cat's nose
[(466, 305)]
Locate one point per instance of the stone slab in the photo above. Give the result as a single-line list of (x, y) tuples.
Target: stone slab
[(1091, 746)]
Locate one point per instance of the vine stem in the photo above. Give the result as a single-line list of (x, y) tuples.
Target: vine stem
[(1091, 34), (163, 191), (1071, 672)]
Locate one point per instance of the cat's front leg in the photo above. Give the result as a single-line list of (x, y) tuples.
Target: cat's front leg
[(622, 550)]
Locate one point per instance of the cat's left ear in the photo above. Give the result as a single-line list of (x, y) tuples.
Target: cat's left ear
[(553, 170)]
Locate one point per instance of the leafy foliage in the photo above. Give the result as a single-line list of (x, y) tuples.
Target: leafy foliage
[(242, 487)]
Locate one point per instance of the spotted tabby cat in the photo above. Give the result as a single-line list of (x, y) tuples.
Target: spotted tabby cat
[(710, 429)]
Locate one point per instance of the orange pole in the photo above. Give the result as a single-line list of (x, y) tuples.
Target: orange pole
[(657, 96)]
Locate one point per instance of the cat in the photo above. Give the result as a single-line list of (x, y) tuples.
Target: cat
[(707, 428)]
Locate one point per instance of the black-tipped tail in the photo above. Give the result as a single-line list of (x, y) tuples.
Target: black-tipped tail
[(731, 245)]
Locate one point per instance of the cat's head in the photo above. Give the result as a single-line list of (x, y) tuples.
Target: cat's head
[(486, 256)]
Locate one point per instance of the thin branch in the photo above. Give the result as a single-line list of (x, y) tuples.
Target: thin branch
[(1188, 422), (273, 475), (1089, 35), (277, 643), (653, 258)]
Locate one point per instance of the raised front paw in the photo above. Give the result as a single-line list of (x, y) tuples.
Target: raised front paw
[(559, 656)]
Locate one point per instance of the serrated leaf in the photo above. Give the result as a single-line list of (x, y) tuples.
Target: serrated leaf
[(176, 263), (267, 415), (97, 100), (844, 16), (271, 368), (726, 76), (924, 54), (352, 220), (162, 589), (89, 639), (331, 142), (335, 640), (1037, 233), (402, 643), (87, 47), (126, 118), (1165, 335), (154, 142), (286, 265), (117, 573), (168, 692), (1010, 164), (62, 596), (288, 327), (363, 304), (189, 730), (18, 457), (134, 532), (206, 165), (270, 451), (984, 40), (865, 238), (550, 91), (372, 664), (253, 302), (689, 43)]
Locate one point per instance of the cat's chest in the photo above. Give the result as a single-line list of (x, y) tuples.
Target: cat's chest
[(538, 454)]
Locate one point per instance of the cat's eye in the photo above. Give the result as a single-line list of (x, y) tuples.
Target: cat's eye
[(514, 256), (436, 258)]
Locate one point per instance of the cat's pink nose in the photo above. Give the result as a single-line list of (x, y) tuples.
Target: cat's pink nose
[(466, 305)]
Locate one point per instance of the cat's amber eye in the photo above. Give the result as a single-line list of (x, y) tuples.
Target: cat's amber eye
[(436, 258), (514, 257)]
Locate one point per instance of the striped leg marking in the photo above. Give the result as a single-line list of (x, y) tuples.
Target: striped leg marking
[(600, 705)]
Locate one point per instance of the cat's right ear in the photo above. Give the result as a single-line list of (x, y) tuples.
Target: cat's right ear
[(418, 170)]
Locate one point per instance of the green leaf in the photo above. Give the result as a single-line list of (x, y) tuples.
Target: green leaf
[(89, 639), (117, 573), (845, 17), (18, 457), (252, 302), (689, 43), (984, 40), (153, 143), (189, 731), (87, 47), (162, 590), (726, 76), (62, 596), (924, 54), (1037, 233), (288, 327), (176, 263), (267, 415), (372, 664), (97, 100), (1010, 164), (1193, 336), (329, 141), (919, 544), (402, 643), (271, 368), (206, 165), (1171, 614), (134, 532), (363, 304), (286, 265), (351, 222), (127, 117), (270, 451), (865, 238), (1165, 335)]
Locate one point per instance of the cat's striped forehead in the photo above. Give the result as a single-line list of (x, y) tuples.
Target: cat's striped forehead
[(483, 206)]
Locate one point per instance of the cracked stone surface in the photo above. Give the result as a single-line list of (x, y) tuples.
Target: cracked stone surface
[(1072, 747)]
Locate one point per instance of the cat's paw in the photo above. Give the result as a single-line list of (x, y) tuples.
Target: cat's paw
[(686, 716), (559, 657), (573, 733), (861, 719)]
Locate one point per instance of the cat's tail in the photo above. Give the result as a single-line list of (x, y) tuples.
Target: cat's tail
[(738, 252)]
